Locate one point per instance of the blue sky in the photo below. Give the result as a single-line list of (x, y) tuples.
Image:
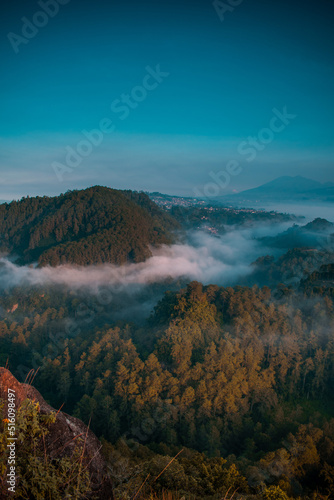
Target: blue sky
[(225, 78)]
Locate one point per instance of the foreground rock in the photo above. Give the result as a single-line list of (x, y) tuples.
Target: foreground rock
[(60, 441)]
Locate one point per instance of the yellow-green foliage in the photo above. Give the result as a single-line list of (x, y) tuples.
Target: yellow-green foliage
[(38, 475), (187, 474), (274, 493)]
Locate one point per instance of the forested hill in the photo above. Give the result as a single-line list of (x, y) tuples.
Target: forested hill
[(84, 227)]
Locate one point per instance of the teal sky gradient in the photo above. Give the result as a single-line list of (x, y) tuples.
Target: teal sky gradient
[(224, 80)]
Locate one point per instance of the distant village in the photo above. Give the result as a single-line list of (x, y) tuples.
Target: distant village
[(168, 202)]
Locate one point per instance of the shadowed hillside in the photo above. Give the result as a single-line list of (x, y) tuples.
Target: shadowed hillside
[(91, 226)]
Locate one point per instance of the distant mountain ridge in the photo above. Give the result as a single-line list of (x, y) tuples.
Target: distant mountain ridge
[(315, 234), (285, 188), (89, 226)]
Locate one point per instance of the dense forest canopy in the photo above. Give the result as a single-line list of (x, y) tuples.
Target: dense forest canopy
[(90, 226), (100, 224), (237, 381), (240, 373)]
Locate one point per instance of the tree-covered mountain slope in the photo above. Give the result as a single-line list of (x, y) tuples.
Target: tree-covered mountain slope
[(84, 227), (316, 234)]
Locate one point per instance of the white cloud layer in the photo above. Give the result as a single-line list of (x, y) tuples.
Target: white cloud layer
[(205, 258)]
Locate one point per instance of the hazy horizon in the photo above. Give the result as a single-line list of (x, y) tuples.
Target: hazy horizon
[(177, 191), (179, 91)]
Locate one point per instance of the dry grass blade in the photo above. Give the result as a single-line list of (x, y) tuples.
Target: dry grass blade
[(28, 375), (148, 475), (168, 465), (34, 375), (226, 495), (59, 409)]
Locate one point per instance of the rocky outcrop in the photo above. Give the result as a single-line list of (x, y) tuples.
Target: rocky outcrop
[(60, 441)]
